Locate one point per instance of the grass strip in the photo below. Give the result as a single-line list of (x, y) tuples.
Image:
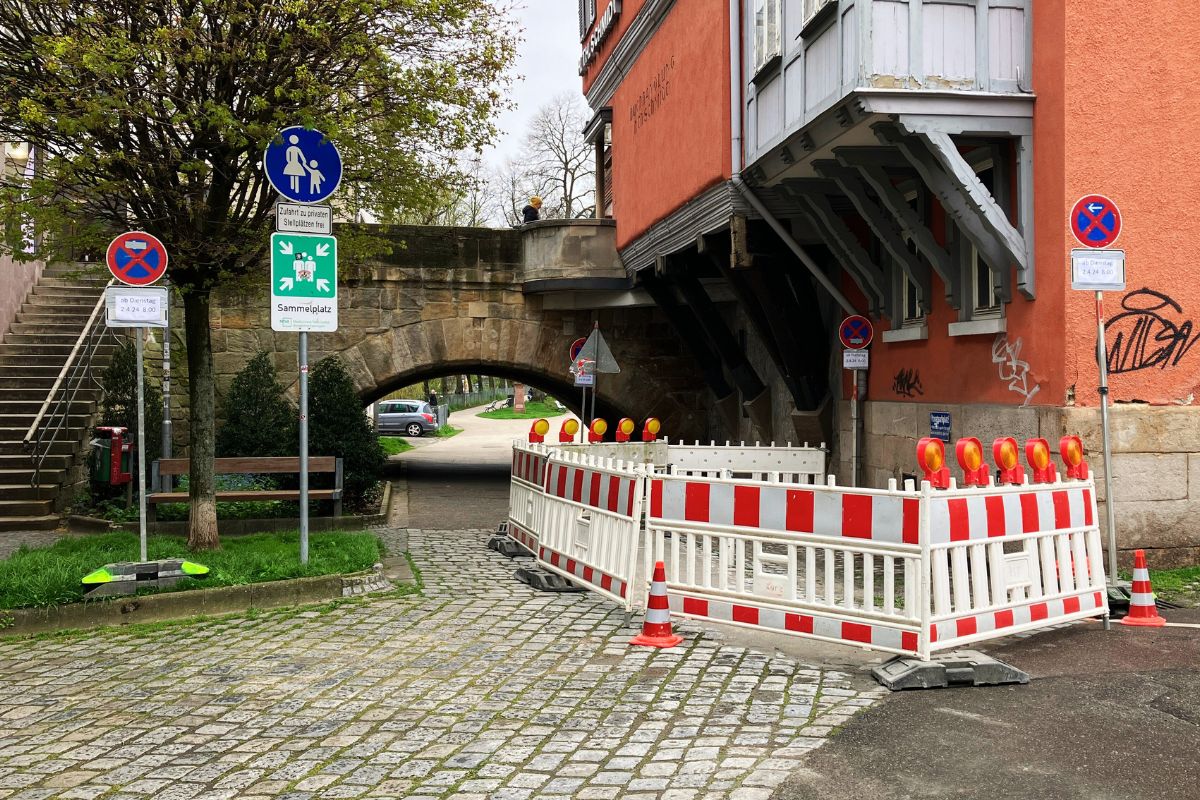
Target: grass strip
[(541, 408), (394, 445), (51, 576)]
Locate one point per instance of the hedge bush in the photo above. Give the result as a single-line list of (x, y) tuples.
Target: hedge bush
[(260, 421)]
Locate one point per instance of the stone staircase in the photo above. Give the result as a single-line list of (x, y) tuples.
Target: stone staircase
[(32, 354)]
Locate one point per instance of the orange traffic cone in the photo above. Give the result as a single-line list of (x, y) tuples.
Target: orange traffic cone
[(656, 630), (1142, 610)]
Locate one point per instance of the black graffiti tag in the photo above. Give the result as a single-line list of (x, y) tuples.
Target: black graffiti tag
[(907, 383), (1150, 332)]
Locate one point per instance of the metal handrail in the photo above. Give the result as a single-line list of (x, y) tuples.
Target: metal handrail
[(61, 396)]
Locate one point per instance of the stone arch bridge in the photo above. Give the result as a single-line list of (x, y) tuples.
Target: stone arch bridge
[(501, 302)]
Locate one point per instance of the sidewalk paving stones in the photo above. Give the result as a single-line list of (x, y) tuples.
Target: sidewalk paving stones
[(479, 688)]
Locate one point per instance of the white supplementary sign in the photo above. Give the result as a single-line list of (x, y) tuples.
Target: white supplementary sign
[(297, 218), (133, 307), (855, 359), (1098, 270)]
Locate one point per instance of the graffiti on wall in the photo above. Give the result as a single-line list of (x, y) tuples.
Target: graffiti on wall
[(1012, 369), (1150, 331), (907, 383)]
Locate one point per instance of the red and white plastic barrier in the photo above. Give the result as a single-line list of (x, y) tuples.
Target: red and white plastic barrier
[(526, 495), (591, 526)]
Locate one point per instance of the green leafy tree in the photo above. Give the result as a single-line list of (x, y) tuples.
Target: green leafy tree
[(154, 114), (259, 420), (338, 426)]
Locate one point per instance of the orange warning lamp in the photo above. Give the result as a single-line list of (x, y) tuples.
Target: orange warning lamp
[(650, 429), (625, 429), (597, 430), (568, 430), (538, 431), (1071, 450), (969, 453), (1005, 452), (931, 456), (1037, 455)]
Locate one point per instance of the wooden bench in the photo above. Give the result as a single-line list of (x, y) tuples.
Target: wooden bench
[(287, 465)]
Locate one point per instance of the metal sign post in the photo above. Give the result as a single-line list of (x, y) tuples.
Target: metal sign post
[(166, 388), (1095, 221), (304, 166), (855, 334), (141, 445), (303, 447)]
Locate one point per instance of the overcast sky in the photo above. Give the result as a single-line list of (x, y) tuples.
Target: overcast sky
[(547, 64)]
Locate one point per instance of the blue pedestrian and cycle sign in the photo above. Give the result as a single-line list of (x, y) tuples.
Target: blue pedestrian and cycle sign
[(939, 425), (856, 332), (303, 165), (1096, 221), (136, 258)]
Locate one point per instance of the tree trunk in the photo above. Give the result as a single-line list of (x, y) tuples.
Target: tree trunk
[(425, 386), (202, 522), (445, 387)]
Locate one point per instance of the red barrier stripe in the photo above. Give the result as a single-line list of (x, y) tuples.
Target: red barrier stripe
[(856, 516), (966, 627), (606, 583), (629, 501), (745, 506), (614, 492), (856, 632), (696, 607), (588, 574), (1070, 605), (799, 511), (594, 497), (577, 486), (1029, 513), (562, 482), (800, 623), (745, 614), (1004, 619), (1062, 509), (695, 502), (908, 640), (1087, 507), (571, 565), (1038, 611), (911, 532), (995, 515), (960, 520), (656, 493)]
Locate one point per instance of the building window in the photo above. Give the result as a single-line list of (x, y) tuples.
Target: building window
[(913, 314), (587, 15), (811, 7), (984, 298), (767, 45)]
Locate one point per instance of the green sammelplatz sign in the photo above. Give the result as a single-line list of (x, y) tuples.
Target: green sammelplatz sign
[(303, 265)]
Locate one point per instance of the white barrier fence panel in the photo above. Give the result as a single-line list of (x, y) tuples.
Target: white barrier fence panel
[(821, 561), (592, 525), (753, 462), (1005, 559), (527, 494)]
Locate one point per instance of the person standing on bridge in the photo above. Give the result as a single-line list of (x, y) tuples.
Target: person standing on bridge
[(532, 212)]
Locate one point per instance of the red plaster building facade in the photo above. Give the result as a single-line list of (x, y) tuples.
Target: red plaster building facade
[(772, 165)]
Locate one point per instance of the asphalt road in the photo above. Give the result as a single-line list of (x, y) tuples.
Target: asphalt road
[(1106, 716)]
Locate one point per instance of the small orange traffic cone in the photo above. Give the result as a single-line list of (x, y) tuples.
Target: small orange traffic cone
[(1142, 610), (656, 630)]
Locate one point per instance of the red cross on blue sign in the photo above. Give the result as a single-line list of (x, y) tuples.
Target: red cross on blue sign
[(1096, 221), (137, 258), (856, 332)]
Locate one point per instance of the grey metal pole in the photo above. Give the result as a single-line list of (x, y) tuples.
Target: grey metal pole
[(1109, 514), (303, 448), (583, 417), (854, 431), (141, 445), (166, 388)]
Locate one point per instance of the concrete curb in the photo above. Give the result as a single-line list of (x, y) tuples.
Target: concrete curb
[(193, 602)]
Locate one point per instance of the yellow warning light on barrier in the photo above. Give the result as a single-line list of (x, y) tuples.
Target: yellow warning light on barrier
[(625, 429), (969, 452), (1005, 452), (1037, 455), (650, 429), (568, 430), (597, 430), (931, 457), (1071, 450), (538, 431)]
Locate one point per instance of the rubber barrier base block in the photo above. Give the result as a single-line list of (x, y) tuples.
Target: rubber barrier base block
[(957, 668), (508, 547), (545, 581)]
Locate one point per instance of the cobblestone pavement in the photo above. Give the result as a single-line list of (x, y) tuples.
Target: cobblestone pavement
[(481, 688)]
